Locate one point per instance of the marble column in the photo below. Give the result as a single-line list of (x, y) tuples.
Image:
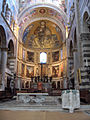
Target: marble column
[(3, 67), (75, 68)]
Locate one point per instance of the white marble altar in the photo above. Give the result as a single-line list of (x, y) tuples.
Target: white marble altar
[(31, 97), (37, 98)]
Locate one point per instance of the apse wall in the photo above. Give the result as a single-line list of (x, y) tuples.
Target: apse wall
[(28, 64)]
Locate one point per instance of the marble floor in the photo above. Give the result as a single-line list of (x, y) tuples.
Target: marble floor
[(42, 115), (15, 105)]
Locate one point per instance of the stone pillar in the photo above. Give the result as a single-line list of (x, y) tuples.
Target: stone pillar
[(19, 83), (3, 67), (64, 82), (75, 68), (77, 18), (85, 42)]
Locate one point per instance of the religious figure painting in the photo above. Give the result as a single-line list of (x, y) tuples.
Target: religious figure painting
[(41, 37), (55, 71), (27, 30), (30, 56), (55, 56), (60, 32), (42, 11), (30, 71)]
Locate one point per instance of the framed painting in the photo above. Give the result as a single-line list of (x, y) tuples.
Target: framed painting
[(55, 71), (30, 56), (30, 71), (55, 56)]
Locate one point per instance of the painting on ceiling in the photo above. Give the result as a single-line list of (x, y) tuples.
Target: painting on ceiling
[(42, 10), (55, 56), (30, 56), (60, 32), (27, 30), (30, 71), (42, 37), (24, 3), (55, 71), (39, 12)]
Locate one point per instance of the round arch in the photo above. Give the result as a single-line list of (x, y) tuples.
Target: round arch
[(40, 6), (3, 42), (3, 56), (10, 52), (86, 23), (25, 19), (11, 48)]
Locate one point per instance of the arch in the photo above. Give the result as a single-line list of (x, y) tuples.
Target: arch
[(86, 23), (2, 41), (2, 37), (10, 53), (11, 48), (25, 17), (40, 6)]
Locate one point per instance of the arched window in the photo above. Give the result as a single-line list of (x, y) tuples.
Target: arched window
[(43, 57)]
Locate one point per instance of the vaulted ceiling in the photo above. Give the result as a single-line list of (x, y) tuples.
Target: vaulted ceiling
[(32, 16)]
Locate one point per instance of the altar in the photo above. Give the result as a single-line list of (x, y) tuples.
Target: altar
[(31, 97), (36, 98)]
